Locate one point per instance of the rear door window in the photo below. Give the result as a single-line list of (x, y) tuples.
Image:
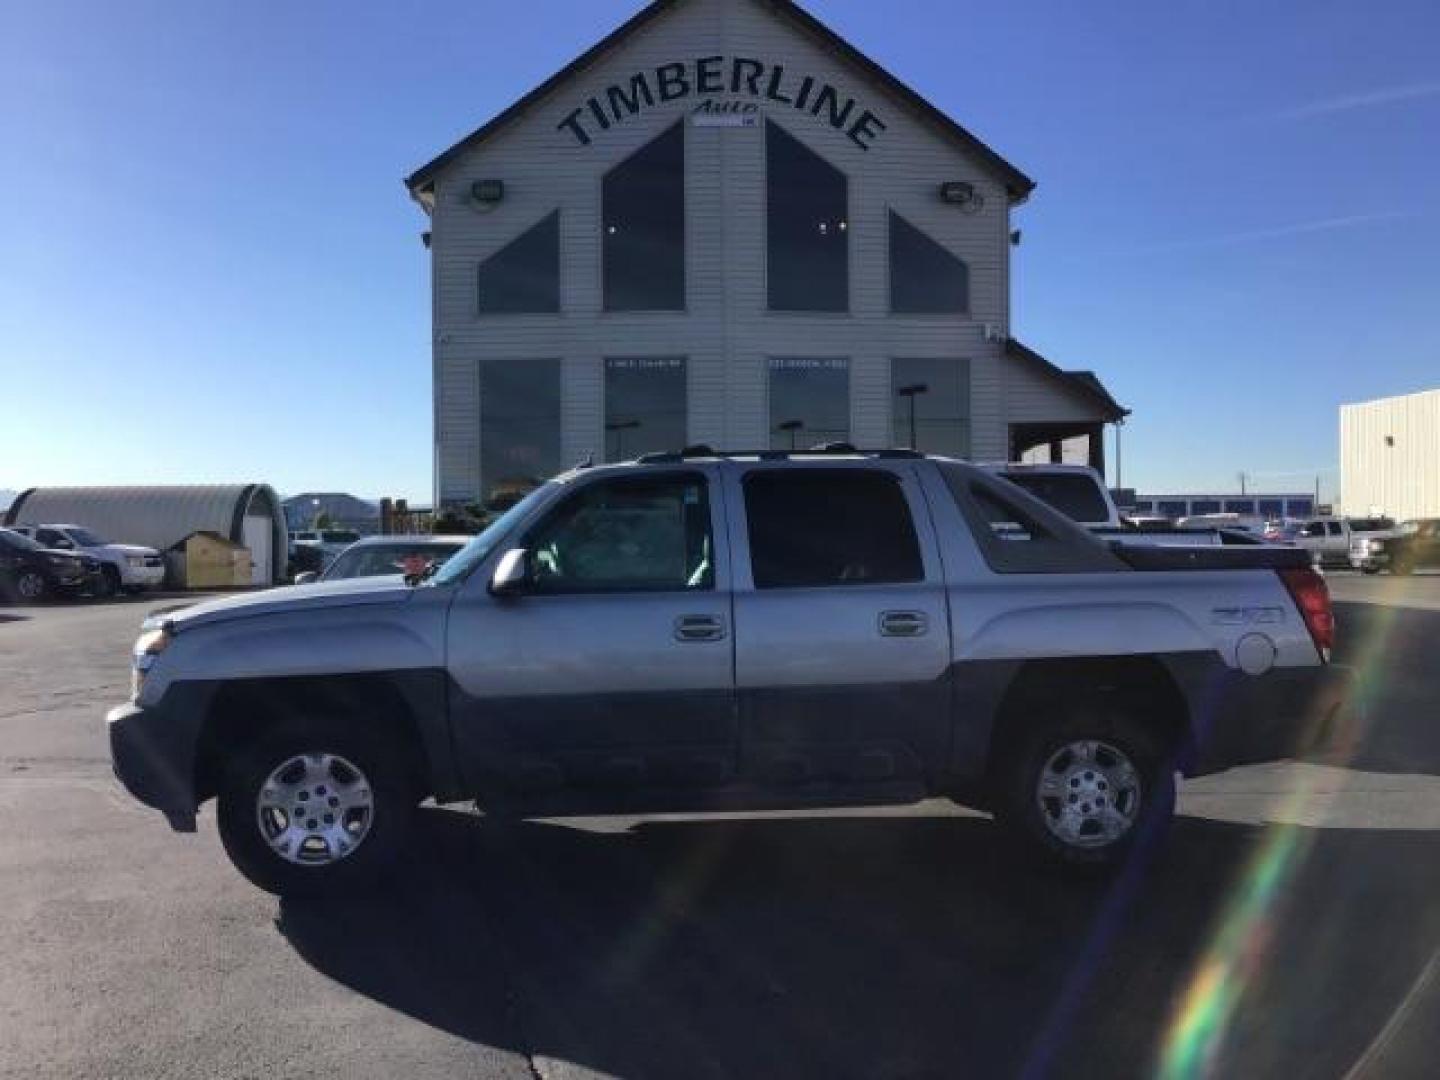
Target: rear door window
[(815, 528)]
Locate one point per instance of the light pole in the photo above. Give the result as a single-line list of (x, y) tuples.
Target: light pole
[(911, 392), (619, 427), (793, 427)]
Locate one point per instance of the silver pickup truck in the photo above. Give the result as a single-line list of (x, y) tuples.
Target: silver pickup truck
[(699, 632)]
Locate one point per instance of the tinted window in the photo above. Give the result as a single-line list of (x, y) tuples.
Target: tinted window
[(524, 275), (51, 537), (1075, 495), (809, 402), (1379, 524), (644, 223), (645, 405), (1299, 507), (924, 276), (1313, 528), (1239, 506), (942, 407), (1272, 507), (807, 223), (626, 535), (1172, 507), (1205, 506), (519, 425), (813, 528)]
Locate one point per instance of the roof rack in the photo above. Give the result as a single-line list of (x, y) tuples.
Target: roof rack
[(670, 457)]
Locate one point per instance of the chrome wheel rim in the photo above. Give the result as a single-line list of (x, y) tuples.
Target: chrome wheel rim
[(315, 809), (1089, 794), (30, 586)]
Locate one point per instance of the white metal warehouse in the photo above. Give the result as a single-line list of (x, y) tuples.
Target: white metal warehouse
[(159, 517), (725, 225), (1390, 456)]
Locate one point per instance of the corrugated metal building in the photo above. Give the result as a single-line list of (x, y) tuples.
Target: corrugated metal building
[(160, 517), (1390, 456), (725, 225)]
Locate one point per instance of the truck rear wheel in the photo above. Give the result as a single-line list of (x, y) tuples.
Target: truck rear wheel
[(1081, 789), (317, 808)]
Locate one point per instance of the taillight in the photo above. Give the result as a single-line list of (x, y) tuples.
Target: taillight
[(1312, 597)]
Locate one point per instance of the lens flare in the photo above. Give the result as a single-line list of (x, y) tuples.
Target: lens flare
[(1239, 943)]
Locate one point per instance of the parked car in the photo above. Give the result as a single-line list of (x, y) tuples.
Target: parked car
[(1248, 524), (695, 632), (29, 572), (305, 560), (1415, 545), (1327, 540), (1362, 531), (1079, 492), (376, 556), (123, 567), (330, 542)]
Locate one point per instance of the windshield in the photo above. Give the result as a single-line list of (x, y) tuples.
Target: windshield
[(374, 560), (476, 551), (1074, 494), (86, 538), (14, 540)]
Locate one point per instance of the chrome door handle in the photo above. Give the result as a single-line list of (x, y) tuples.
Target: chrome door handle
[(903, 623), (699, 628)]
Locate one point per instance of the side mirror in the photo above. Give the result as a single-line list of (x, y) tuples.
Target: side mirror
[(306, 578), (510, 575)]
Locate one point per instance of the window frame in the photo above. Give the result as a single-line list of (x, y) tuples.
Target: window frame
[(965, 313), (715, 524), (848, 363), (848, 311), (738, 531), (686, 228), (481, 313), (484, 495), (605, 362)]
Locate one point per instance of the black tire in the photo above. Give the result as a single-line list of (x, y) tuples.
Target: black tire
[(31, 587), (1114, 728), (109, 584), (1367, 570), (380, 761)]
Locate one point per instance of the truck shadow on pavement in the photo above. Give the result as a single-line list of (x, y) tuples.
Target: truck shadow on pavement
[(900, 947), (1396, 652)]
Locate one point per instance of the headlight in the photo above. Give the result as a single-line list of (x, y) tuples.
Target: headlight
[(1375, 545), (152, 642)]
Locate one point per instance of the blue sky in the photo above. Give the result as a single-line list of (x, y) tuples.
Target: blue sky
[(209, 269)]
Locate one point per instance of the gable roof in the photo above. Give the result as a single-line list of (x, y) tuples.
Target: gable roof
[(1086, 383), (1017, 184)]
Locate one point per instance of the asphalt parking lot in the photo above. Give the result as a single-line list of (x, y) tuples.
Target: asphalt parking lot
[(1291, 926)]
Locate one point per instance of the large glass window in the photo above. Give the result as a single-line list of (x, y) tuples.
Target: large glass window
[(626, 535), (809, 402), (924, 276), (645, 405), (519, 427), (807, 222), (644, 223), (820, 527), (932, 405), (523, 277)]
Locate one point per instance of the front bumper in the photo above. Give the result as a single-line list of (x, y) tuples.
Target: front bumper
[(153, 751), (142, 577), (1241, 719)]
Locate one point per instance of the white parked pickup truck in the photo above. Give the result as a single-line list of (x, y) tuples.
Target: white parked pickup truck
[(1079, 492), (702, 632), (123, 567)]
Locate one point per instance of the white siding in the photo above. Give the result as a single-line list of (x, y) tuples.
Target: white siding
[(727, 333), (1036, 398), (1401, 480)]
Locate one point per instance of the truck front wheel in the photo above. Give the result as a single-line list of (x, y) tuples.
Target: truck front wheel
[(1083, 788), (316, 809)]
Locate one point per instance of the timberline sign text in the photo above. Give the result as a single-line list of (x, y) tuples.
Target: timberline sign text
[(736, 76)]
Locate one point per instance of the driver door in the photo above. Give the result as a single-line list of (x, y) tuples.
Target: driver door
[(614, 666)]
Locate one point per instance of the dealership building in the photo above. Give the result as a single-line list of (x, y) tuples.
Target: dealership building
[(725, 225), (1390, 456)]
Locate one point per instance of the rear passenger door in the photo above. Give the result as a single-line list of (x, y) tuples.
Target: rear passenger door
[(841, 625)]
